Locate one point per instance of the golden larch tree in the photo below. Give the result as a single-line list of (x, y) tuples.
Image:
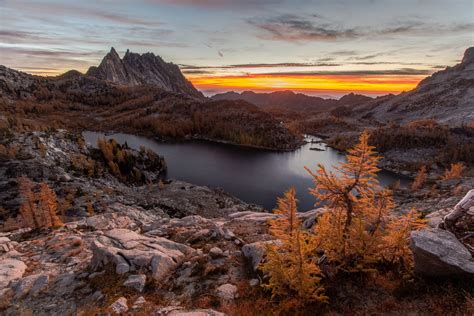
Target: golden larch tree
[(291, 261), (394, 246), (349, 191), (49, 205), (357, 227), (39, 209), (419, 179), (28, 208), (454, 172)]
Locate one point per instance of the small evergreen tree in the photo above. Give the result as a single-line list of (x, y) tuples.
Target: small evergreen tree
[(291, 261), (419, 179), (49, 205), (454, 172), (38, 209), (28, 209)]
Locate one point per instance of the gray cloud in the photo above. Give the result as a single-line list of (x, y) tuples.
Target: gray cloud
[(148, 43), (367, 56), (400, 71), (196, 72), (344, 53), (219, 4), (262, 65), (385, 63), (74, 10), (293, 28), (302, 65), (50, 53), (290, 27)]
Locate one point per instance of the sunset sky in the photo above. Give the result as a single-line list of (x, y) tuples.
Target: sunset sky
[(321, 47)]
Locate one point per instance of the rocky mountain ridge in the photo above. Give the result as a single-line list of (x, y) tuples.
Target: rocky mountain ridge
[(146, 69), (447, 96)]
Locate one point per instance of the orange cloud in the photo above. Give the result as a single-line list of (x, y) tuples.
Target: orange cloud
[(337, 83)]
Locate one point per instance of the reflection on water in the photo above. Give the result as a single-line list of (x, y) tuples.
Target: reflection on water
[(253, 175)]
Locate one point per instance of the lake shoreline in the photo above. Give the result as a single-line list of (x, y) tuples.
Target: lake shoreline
[(253, 175)]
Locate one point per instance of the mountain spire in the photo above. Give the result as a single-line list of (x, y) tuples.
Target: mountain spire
[(147, 69)]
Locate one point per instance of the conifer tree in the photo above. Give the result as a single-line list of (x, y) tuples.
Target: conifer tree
[(352, 188), (394, 247), (454, 172), (357, 231), (419, 179), (38, 209), (28, 209), (291, 261), (49, 205)]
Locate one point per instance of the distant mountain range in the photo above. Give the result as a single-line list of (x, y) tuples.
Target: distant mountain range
[(447, 96), (146, 69), (288, 100)]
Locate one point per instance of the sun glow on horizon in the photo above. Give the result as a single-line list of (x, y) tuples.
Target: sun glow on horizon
[(373, 84)]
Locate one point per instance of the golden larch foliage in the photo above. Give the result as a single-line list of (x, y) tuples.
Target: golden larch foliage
[(419, 179), (394, 246), (28, 208), (49, 205), (38, 209), (291, 262), (90, 208), (357, 229), (348, 192), (454, 172), (107, 148)]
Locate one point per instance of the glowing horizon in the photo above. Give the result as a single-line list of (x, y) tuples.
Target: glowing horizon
[(313, 85)]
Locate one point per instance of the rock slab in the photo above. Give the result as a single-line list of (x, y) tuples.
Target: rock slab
[(438, 252), (10, 270)]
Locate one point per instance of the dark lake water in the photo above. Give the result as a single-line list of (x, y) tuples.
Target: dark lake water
[(253, 175)]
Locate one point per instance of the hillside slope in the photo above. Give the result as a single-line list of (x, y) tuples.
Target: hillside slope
[(446, 96)]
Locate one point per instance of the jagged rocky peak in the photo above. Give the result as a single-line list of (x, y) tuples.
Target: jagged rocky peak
[(143, 69), (468, 56)]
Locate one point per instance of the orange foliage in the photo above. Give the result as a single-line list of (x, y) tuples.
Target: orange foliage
[(48, 203), (419, 179), (357, 230), (454, 172), (38, 209), (291, 263)]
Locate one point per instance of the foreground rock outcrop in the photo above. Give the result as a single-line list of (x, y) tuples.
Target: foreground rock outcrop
[(438, 252), (92, 261), (447, 250), (129, 251)]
